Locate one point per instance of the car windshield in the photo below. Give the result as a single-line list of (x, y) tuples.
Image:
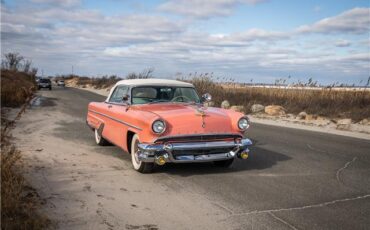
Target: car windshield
[(44, 80), (158, 94)]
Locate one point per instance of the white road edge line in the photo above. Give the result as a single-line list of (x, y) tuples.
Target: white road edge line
[(304, 207), (343, 168)]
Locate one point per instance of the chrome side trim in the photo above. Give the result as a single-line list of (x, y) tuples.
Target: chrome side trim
[(114, 119)]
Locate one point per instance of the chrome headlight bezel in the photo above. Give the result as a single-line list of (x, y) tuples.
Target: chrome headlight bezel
[(243, 123), (155, 126)]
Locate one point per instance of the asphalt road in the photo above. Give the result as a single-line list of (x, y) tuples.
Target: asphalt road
[(294, 179)]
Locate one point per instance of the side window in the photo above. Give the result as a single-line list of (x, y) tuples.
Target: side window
[(118, 94)]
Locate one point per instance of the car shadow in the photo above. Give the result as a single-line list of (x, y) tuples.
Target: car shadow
[(259, 159)]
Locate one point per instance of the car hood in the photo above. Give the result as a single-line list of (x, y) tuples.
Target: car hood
[(183, 119)]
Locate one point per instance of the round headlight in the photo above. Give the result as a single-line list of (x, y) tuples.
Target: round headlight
[(243, 123), (158, 126)]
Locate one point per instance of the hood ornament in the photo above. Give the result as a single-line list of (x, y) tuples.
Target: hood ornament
[(200, 112)]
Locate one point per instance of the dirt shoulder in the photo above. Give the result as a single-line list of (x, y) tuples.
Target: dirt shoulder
[(90, 187), (20, 202)]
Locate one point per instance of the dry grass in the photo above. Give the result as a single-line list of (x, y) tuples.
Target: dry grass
[(19, 201), (16, 88), (326, 102)]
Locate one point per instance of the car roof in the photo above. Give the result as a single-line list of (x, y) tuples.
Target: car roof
[(154, 82)]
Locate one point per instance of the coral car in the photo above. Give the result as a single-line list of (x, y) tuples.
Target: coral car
[(159, 121)]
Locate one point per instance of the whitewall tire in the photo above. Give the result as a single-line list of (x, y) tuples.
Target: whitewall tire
[(138, 165), (99, 139)]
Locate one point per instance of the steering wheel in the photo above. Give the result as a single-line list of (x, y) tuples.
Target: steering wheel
[(183, 97)]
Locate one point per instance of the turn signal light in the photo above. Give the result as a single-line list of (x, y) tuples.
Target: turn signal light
[(160, 160), (244, 155)]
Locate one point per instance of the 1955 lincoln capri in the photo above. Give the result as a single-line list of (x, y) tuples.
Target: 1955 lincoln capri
[(160, 121)]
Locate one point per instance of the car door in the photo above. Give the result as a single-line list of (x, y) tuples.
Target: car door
[(116, 130)]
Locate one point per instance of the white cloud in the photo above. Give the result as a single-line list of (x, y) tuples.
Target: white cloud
[(203, 8), (355, 21), (342, 43), (57, 37), (63, 3), (317, 8)]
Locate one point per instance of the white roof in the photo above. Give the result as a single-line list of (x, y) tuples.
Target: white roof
[(154, 82)]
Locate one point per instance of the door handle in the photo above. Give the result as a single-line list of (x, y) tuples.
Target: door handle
[(109, 106)]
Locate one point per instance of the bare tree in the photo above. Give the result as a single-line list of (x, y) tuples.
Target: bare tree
[(27, 66), (33, 72), (12, 61), (146, 73)]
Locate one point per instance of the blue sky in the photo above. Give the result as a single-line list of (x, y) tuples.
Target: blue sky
[(263, 40)]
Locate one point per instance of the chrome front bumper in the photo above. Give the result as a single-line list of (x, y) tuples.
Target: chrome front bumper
[(174, 152)]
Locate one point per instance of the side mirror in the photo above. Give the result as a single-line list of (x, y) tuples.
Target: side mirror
[(206, 97), (126, 98)]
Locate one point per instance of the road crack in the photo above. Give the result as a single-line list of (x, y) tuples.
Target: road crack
[(282, 221), (316, 149), (324, 204), (343, 168)]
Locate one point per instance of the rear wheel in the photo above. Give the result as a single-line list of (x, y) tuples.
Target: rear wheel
[(49, 88), (224, 163), (143, 167), (99, 139)]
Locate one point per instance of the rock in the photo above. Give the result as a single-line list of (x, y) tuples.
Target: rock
[(364, 122), (209, 104), (302, 115), (225, 104), (256, 108), (274, 110), (320, 118), (344, 124), (237, 108), (290, 116), (310, 117)]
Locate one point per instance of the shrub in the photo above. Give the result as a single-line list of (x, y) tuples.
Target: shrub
[(326, 102), (16, 87)]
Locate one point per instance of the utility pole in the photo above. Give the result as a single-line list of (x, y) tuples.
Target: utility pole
[(72, 70)]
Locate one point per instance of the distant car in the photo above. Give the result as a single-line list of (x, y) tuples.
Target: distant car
[(160, 121), (44, 83), (61, 83)]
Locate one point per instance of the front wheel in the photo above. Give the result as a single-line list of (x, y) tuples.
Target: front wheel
[(224, 163), (99, 139), (143, 167)]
